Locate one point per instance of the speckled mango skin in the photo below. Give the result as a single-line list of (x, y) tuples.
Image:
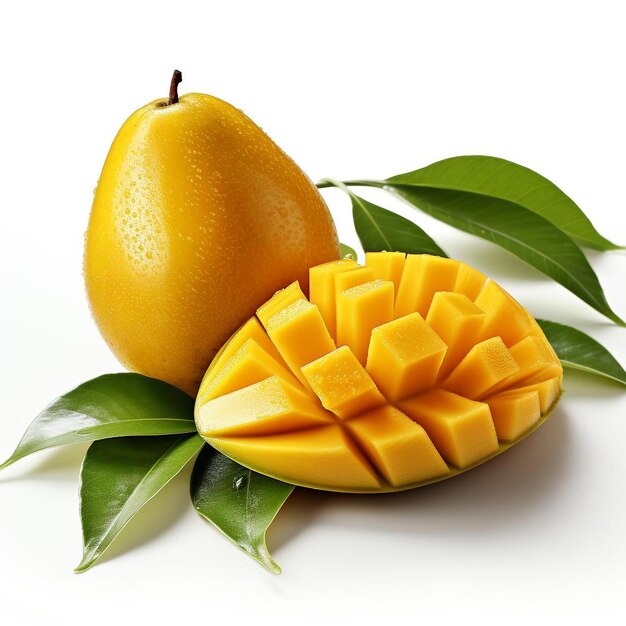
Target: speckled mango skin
[(198, 218)]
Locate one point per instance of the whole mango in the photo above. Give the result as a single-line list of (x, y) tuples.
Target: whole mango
[(198, 218)]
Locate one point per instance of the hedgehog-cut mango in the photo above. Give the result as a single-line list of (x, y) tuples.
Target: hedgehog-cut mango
[(388, 376)]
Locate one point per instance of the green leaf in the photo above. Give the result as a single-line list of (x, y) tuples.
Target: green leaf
[(498, 178), (348, 253), (578, 351), (379, 230), (527, 235), (114, 405), (382, 230), (240, 502), (118, 477)]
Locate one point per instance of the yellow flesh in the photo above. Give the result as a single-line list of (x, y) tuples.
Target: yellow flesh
[(397, 400)]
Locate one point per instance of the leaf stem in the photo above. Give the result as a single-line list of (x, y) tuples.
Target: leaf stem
[(331, 182)]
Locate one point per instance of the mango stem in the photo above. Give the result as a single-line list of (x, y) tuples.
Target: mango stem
[(177, 79)]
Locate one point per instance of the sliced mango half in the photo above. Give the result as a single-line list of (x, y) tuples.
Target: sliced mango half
[(388, 376)]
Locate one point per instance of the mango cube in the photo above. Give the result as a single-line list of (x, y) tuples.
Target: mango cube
[(461, 429), (397, 446), (279, 301), (469, 281), (458, 321), (270, 406), (534, 358), (548, 391), (249, 365), (320, 457), (387, 266), (486, 364), (422, 277), (342, 384), (300, 335), (322, 288), (360, 310), (506, 318), (404, 357), (514, 412)]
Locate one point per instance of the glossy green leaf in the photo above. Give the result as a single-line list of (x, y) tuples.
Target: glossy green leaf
[(348, 253), (240, 502), (381, 230), (578, 351), (499, 178), (113, 405), (118, 477), (527, 235)]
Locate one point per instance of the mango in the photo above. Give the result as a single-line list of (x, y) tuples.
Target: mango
[(197, 219), (391, 376)]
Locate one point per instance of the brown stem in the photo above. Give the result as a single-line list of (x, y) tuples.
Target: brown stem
[(177, 79)]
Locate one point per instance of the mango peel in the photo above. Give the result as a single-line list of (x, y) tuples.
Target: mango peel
[(388, 376)]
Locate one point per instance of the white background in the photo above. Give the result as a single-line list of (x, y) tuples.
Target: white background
[(348, 89)]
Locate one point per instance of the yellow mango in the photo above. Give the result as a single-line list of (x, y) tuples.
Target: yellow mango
[(398, 401), (198, 217), (360, 309)]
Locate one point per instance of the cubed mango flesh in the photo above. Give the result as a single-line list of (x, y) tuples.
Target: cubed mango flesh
[(323, 458), (279, 301), (422, 277), (250, 364), (300, 335), (267, 407), (390, 376), (397, 446), (505, 317), (322, 288), (514, 412), (405, 356), (485, 365), (360, 309), (461, 429), (342, 384), (458, 322), (387, 266)]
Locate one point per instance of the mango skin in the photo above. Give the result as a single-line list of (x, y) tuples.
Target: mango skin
[(197, 219)]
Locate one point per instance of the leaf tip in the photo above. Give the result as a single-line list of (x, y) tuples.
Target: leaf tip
[(85, 564), (262, 556)]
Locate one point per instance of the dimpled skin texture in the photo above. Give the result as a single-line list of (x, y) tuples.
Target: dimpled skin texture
[(198, 218), (449, 374)]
